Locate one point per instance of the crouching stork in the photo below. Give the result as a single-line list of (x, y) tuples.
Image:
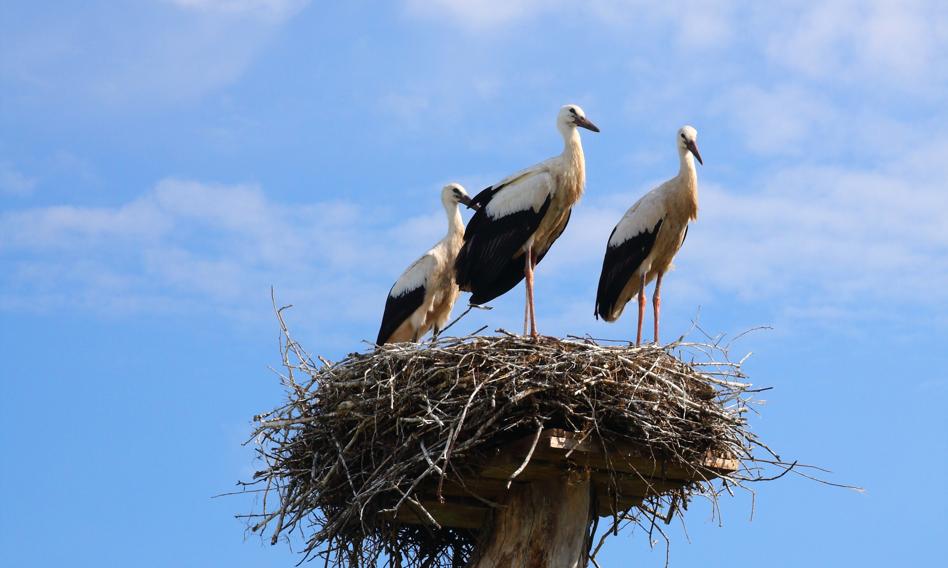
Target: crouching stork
[(423, 296)]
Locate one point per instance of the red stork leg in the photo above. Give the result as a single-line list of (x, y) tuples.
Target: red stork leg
[(657, 303), (531, 308), (638, 332), (526, 289)]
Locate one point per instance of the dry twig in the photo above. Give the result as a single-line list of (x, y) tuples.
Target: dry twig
[(356, 439)]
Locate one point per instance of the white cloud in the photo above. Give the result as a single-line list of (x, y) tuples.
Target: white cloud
[(695, 24), (171, 51), (892, 43), (406, 107), (809, 242), (801, 229), (265, 8), (810, 124), (14, 182), (70, 227), (897, 45), (776, 120), (480, 14), (190, 246)]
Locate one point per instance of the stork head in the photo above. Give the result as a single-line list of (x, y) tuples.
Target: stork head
[(570, 117), (688, 142), (454, 193)]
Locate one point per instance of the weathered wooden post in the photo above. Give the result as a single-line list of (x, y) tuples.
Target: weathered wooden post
[(542, 523), (559, 482)]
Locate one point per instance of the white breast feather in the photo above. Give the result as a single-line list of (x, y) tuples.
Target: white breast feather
[(641, 217), (414, 276), (527, 192)]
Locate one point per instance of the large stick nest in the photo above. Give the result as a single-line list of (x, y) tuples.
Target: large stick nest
[(358, 439)]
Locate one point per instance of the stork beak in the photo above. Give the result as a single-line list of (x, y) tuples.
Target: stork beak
[(693, 148), (467, 201), (584, 122)]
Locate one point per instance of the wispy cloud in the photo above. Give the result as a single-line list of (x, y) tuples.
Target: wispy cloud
[(836, 198), (695, 24), (895, 45), (266, 8), (809, 241), (827, 243), (480, 14), (190, 246), (898, 44), (776, 120), (13, 181), (172, 51), (404, 106)]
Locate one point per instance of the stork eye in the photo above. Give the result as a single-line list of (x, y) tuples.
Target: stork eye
[(572, 111), (682, 135)]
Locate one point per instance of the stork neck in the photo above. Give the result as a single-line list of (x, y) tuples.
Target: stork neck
[(455, 222), (573, 155), (687, 188), (571, 142), (687, 165)]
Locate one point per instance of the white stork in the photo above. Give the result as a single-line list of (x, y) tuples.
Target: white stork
[(424, 294), (648, 236), (519, 218)]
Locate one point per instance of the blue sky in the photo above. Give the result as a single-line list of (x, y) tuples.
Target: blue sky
[(164, 163)]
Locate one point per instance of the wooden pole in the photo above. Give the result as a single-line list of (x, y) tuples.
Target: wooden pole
[(543, 524)]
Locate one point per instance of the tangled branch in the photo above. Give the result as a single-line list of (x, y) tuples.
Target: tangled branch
[(362, 439)]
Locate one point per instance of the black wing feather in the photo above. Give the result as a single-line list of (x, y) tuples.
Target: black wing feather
[(484, 197), (511, 274), (486, 265), (619, 265), (397, 310)]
